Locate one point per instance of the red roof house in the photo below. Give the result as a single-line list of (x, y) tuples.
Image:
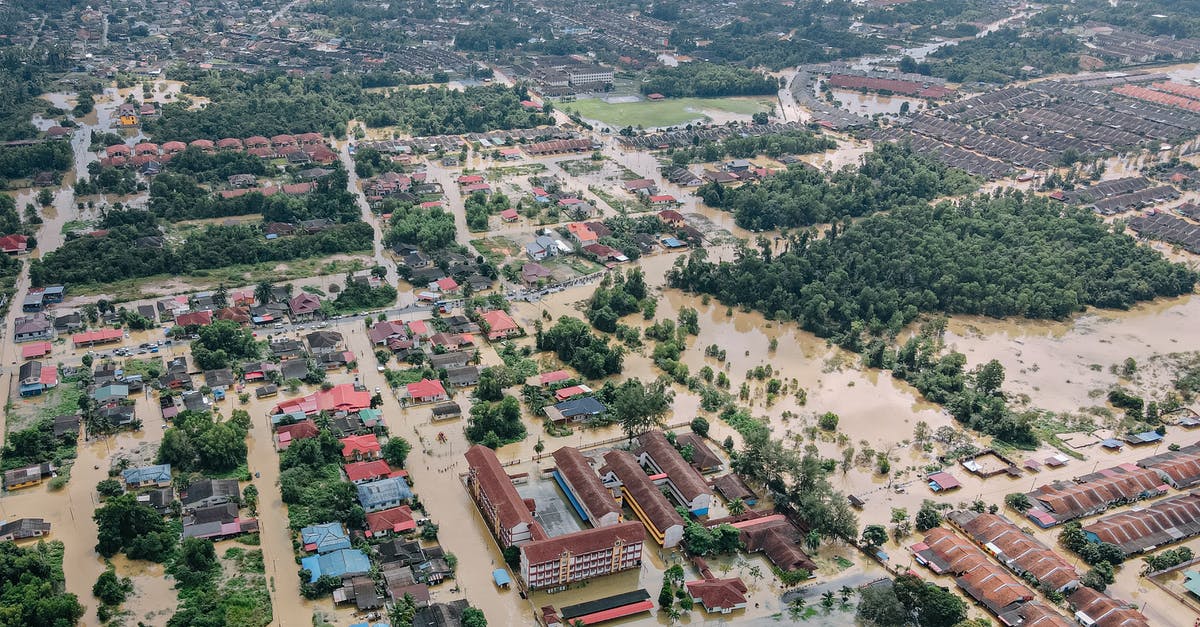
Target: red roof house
[(426, 391), (546, 378), (304, 304), (35, 350), (500, 325), (388, 521), (14, 244), (361, 447), (338, 398), (358, 472), (98, 336), (285, 435), (198, 318)]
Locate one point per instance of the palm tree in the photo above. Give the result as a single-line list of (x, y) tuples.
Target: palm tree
[(827, 599), (796, 608), (812, 540), (262, 292), (737, 506)]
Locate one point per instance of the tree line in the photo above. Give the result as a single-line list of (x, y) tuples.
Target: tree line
[(707, 80), (1004, 255), (272, 103), (124, 252), (891, 176), (772, 145)]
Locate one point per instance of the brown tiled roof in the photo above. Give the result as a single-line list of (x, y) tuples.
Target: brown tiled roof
[(993, 586), (702, 456), (641, 489), (583, 542), (499, 490), (1037, 615), (576, 471), (1020, 550), (956, 552), (1068, 500), (732, 487), (1105, 610), (718, 593), (1163, 522), (773, 534), (1182, 466), (680, 473)]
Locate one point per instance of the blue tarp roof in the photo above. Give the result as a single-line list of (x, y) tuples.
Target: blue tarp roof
[(570, 496), (377, 493), (1111, 443), (501, 577), (157, 474), (1145, 436)]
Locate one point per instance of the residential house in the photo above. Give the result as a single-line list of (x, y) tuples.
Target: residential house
[(365, 471), (18, 478), (718, 596), (446, 411), (32, 329), (463, 376), (219, 378), (341, 564), (34, 378), (323, 342), (576, 409), (304, 306), (361, 448), (342, 397), (733, 488), (453, 359), (390, 521), (23, 529), (644, 187), (383, 494), (287, 349), (324, 538), (209, 492), (286, 434), (500, 325), (426, 391), (158, 475), (534, 273)]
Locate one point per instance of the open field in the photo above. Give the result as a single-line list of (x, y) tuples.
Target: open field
[(668, 112)]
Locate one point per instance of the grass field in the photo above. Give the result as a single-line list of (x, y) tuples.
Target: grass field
[(670, 112)]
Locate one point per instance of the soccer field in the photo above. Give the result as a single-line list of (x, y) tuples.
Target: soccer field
[(669, 112)]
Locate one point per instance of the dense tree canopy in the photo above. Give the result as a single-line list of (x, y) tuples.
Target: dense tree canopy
[(199, 442), (707, 80), (575, 345), (126, 525), (428, 228), (32, 587), (892, 176), (222, 343), (1000, 56), (997, 256)]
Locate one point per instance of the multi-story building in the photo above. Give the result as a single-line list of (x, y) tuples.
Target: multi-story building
[(563, 560), (547, 562), (502, 508), (685, 483)]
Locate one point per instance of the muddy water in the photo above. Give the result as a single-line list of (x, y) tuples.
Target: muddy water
[(1054, 362), (870, 104)]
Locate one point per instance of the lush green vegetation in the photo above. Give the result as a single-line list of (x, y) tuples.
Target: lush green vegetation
[(214, 597), (1173, 18), (311, 484), (271, 103), (772, 145), (494, 424), (35, 445), (358, 296), (125, 525), (429, 229), (223, 343), (178, 196), (892, 176), (479, 207), (576, 346), (32, 587), (120, 255), (25, 161), (909, 601), (25, 72), (1000, 56), (707, 80), (618, 295), (198, 442), (997, 256)]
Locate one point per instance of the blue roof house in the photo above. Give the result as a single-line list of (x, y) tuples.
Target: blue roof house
[(575, 409), (383, 494), (111, 392), (340, 563), (159, 475), (325, 538)]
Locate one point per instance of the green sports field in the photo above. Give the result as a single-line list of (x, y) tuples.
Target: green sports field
[(669, 112)]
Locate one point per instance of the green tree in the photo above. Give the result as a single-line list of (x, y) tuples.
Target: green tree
[(123, 524), (931, 605), (395, 451), (700, 426), (109, 488), (928, 516), (874, 535), (473, 617), (1018, 501), (111, 589)]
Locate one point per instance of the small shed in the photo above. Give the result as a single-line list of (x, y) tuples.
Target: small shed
[(1112, 443)]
